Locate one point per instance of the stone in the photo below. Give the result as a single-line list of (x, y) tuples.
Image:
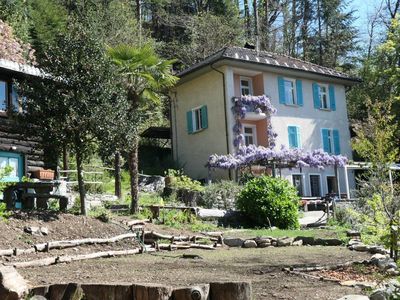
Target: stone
[(328, 242), (392, 272), (151, 183), (32, 230), (44, 230), (262, 240), (377, 249), (353, 233), (354, 297), (307, 240), (376, 258), (12, 285), (233, 242), (37, 297), (285, 241), (379, 295), (360, 247), (298, 243), (249, 244), (391, 265), (353, 242), (264, 245)]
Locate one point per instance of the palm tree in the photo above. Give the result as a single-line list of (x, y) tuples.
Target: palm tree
[(144, 75)]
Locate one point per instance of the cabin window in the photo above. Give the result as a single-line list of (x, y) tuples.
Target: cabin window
[(3, 95), (246, 86), (323, 97), (197, 119), (15, 161), (290, 91), (250, 134)]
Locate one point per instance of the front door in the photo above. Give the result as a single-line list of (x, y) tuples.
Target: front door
[(16, 162), (332, 184), (315, 185), (298, 183)]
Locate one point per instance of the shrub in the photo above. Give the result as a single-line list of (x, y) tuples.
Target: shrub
[(181, 181), (220, 195), (270, 200)]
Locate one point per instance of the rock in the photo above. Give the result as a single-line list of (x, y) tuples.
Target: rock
[(37, 297), (44, 230), (285, 241), (264, 245), (32, 230), (151, 183), (12, 285), (353, 233), (377, 258), (377, 249), (233, 242), (379, 295), (354, 297), (263, 240), (249, 244), (391, 265), (307, 240), (360, 247), (392, 272), (298, 243), (353, 242), (360, 284)]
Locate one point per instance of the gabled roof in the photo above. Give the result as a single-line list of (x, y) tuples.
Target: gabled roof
[(268, 59), (14, 67)]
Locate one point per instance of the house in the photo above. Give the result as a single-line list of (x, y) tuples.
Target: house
[(311, 112), (17, 151)]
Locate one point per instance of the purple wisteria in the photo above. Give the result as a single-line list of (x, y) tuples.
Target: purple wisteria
[(257, 104), (253, 155)]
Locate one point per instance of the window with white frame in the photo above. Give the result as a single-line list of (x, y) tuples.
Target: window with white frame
[(197, 119), (323, 96), (246, 86), (250, 134), (290, 92)]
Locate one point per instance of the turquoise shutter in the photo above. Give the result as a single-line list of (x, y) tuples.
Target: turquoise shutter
[(332, 99), (204, 117), (189, 120), (293, 137), (19, 159), (336, 141), (317, 103), (298, 137), (299, 92), (325, 140), (281, 89)]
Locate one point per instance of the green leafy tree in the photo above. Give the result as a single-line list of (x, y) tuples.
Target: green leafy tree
[(67, 105), (379, 199), (144, 75)]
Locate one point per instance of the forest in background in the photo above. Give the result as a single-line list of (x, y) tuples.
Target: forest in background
[(320, 31)]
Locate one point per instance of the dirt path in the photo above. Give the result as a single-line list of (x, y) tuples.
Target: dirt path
[(261, 266)]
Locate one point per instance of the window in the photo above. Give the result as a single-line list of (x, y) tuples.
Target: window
[(315, 185), (3, 96), (290, 91), (331, 183), (297, 180), (16, 100), (294, 137), (197, 119), (246, 86), (324, 96), (331, 141), (14, 160), (250, 134)]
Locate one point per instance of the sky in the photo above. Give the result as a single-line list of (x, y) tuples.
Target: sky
[(362, 9)]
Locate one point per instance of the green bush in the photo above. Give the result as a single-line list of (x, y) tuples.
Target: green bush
[(220, 195), (181, 181), (268, 200)]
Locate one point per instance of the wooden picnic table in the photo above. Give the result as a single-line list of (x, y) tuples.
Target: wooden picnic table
[(28, 192)]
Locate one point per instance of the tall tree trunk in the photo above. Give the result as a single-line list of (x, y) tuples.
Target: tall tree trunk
[(247, 18), (134, 176), (81, 183), (256, 27), (65, 160), (117, 174), (319, 17), (266, 28)]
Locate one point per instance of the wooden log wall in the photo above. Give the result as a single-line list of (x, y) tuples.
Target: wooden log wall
[(12, 140)]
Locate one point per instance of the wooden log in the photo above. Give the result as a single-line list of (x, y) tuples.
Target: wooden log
[(63, 259), (74, 243), (230, 290), (205, 247), (215, 234), (7, 252), (107, 291), (137, 222), (18, 251), (200, 292), (151, 292)]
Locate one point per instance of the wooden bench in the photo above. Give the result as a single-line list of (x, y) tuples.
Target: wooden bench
[(42, 200)]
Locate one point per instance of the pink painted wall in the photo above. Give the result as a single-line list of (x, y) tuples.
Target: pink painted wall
[(258, 84), (261, 127)]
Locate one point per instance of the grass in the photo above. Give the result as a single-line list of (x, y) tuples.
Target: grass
[(316, 233)]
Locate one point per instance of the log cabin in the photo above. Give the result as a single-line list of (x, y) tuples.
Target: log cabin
[(22, 153)]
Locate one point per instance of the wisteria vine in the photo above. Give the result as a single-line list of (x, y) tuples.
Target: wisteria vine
[(257, 104), (259, 155)]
